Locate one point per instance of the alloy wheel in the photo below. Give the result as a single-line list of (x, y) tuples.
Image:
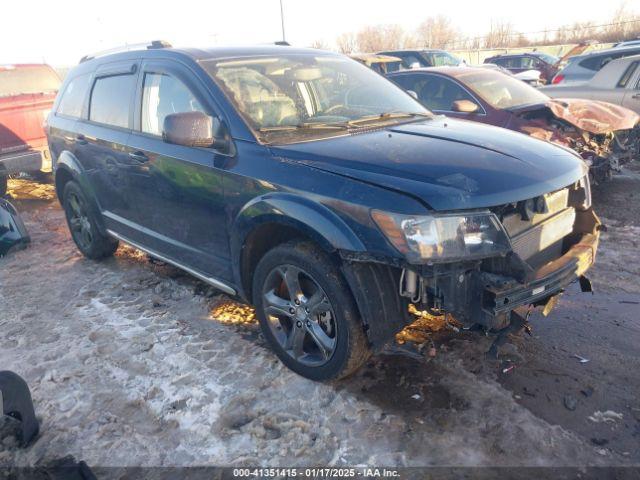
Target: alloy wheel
[(79, 221), (299, 315)]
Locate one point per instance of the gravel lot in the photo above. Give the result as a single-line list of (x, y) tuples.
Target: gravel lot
[(133, 363)]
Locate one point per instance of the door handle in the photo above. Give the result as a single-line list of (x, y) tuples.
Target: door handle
[(138, 157), (80, 139), (635, 95)]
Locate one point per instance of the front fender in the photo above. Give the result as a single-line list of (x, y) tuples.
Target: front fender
[(312, 219)]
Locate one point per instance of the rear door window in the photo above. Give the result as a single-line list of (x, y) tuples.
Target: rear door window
[(72, 99), (111, 100), (163, 95)]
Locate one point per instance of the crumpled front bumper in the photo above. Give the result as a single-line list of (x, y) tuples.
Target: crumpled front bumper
[(499, 296)]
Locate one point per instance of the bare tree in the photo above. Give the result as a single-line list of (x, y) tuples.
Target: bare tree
[(436, 32), (439, 32), (500, 34), (347, 43), (624, 25), (320, 45), (381, 37)]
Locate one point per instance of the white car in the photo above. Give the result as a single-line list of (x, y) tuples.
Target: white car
[(618, 82)]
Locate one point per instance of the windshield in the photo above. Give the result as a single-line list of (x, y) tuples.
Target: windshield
[(501, 90), (288, 98), (32, 79)]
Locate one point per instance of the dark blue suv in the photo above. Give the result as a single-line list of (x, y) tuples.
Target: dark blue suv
[(315, 189)]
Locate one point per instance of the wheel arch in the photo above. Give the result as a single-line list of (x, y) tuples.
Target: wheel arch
[(68, 168), (274, 219)]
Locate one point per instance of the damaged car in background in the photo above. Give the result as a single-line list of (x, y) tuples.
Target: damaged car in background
[(315, 189), (606, 136)]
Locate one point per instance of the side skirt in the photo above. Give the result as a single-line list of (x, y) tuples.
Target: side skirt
[(214, 282)]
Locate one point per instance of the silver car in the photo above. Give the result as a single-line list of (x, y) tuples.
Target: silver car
[(582, 68), (618, 82)]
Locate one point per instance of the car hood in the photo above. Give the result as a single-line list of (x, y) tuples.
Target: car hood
[(447, 164), (591, 116)]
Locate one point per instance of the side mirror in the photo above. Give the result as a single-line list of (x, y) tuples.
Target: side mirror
[(465, 106), (195, 129), (413, 94)]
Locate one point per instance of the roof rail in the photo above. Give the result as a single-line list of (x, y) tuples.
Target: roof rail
[(155, 44)]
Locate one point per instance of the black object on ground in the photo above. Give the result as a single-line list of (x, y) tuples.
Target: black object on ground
[(13, 233), (15, 401)]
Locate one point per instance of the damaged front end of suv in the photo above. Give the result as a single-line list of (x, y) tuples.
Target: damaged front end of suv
[(606, 136), (482, 267)]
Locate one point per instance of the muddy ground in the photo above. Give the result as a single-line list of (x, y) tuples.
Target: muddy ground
[(133, 363)]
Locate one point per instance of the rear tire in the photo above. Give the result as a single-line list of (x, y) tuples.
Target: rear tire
[(83, 225), (307, 312), (3, 185)]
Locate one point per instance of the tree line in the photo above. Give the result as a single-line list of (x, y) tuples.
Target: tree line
[(441, 32)]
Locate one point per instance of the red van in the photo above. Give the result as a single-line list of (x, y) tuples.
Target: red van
[(27, 93)]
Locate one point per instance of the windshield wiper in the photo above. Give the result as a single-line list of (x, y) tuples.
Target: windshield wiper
[(304, 126), (387, 116)]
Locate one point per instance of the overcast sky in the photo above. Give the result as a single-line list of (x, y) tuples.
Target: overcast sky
[(60, 32)]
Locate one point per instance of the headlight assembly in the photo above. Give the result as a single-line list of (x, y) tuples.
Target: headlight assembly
[(442, 238)]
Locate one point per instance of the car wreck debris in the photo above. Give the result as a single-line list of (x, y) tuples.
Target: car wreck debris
[(15, 402), (606, 136), (13, 233)]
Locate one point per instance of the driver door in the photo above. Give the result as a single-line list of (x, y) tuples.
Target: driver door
[(179, 205)]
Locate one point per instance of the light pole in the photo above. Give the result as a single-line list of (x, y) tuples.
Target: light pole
[(282, 20)]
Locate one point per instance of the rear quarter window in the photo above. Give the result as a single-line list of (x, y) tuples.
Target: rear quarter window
[(626, 76), (73, 97), (110, 102)]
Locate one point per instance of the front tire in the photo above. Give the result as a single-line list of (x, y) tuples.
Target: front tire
[(83, 225), (307, 313)]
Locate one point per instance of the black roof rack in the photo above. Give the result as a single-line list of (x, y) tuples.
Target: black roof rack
[(155, 44)]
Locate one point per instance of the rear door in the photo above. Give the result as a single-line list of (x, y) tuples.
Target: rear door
[(101, 140), (70, 108), (631, 97), (179, 204)]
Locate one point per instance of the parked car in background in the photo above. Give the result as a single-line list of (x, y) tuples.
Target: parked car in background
[(308, 185), (522, 62), (532, 77), (618, 82), (604, 135), (628, 43), (380, 63), (424, 58), (582, 68), (27, 93)]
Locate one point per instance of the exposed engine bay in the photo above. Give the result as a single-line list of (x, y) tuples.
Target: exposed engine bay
[(553, 238)]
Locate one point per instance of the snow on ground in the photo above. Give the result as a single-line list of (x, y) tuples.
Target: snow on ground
[(132, 363)]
